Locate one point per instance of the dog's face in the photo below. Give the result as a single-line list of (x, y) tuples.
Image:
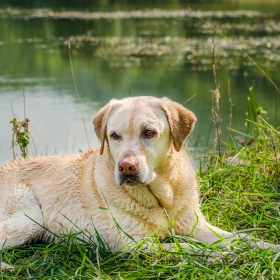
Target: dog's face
[(138, 137), (141, 132)]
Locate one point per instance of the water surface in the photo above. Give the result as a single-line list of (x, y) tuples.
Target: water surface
[(142, 49)]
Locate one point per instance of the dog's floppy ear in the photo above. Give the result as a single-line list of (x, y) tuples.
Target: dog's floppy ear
[(181, 121), (100, 123)]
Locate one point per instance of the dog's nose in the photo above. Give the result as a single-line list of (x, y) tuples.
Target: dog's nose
[(127, 166)]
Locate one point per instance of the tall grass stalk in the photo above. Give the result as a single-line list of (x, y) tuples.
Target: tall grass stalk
[(76, 90), (216, 104)]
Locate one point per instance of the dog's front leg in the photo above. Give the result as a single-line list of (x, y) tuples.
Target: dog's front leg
[(213, 235), (4, 266)]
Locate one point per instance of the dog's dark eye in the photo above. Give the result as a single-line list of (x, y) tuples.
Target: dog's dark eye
[(115, 136), (149, 133)]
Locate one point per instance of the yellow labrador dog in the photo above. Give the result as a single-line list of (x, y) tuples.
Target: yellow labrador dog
[(140, 172)]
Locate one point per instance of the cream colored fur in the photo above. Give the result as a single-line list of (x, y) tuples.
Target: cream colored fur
[(64, 193)]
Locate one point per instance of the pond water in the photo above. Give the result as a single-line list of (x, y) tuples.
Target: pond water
[(120, 49)]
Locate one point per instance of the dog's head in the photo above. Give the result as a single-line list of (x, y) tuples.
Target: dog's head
[(141, 132)]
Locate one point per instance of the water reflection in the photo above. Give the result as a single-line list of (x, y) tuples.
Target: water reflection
[(117, 53)]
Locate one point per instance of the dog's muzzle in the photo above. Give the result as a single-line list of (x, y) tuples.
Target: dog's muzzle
[(128, 172), (131, 180)]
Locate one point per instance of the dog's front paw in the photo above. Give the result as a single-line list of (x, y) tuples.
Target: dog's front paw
[(198, 250), (4, 266)]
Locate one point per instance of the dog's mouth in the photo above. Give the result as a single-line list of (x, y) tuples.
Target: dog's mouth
[(130, 180)]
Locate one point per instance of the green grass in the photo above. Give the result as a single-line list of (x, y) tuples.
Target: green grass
[(234, 197)]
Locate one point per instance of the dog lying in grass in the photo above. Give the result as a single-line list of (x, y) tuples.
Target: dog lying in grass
[(140, 173)]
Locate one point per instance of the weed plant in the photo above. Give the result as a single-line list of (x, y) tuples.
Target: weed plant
[(20, 136)]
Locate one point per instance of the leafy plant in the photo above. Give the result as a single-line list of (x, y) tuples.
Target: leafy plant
[(20, 136)]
